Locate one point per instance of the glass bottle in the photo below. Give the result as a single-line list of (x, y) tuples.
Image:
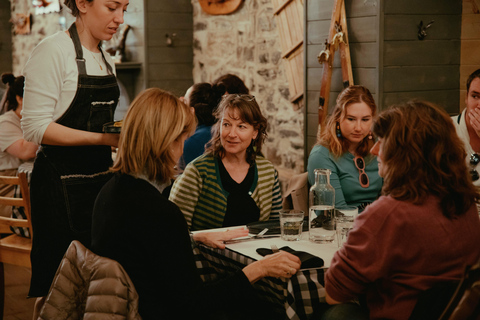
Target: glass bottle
[(321, 208)]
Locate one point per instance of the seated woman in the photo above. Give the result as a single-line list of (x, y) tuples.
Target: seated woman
[(231, 184), (422, 231), (344, 148), (13, 148), (134, 224), (203, 98)]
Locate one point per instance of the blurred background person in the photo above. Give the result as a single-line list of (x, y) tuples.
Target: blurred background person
[(134, 224), (204, 99), (344, 149), (232, 84), (13, 148), (231, 184), (424, 229)]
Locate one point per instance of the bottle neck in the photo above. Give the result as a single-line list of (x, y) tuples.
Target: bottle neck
[(322, 178)]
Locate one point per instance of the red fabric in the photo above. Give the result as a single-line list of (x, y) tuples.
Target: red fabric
[(396, 250)]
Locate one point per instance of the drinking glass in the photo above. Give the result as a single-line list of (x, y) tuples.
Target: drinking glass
[(344, 217), (291, 224)]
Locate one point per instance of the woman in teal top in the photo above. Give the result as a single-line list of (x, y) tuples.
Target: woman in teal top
[(344, 148)]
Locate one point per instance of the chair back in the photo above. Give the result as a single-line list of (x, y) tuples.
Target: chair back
[(24, 201), (88, 286), (465, 303), (296, 194)]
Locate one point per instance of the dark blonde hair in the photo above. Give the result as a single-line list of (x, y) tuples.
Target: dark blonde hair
[(154, 120), (249, 112), (339, 145), (423, 156)]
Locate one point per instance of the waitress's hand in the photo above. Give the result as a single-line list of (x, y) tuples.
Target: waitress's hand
[(111, 139), (279, 265), (215, 239)]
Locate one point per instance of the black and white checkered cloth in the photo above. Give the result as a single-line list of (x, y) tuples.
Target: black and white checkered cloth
[(300, 295)]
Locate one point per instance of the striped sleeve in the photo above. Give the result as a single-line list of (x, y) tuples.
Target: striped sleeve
[(185, 192), (276, 199)]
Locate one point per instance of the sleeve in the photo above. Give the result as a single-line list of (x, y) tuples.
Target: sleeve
[(276, 199), (44, 74), (10, 133), (186, 191), (368, 255), (320, 158)]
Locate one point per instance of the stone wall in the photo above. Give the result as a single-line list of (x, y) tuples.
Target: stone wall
[(247, 43)]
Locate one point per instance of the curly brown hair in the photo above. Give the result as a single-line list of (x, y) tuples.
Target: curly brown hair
[(424, 156), (249, 112)]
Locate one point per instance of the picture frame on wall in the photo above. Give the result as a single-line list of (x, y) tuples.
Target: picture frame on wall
[(46, 6)]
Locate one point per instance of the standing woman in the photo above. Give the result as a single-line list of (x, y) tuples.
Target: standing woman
[(344, 148), (70, 92), (231, 184)]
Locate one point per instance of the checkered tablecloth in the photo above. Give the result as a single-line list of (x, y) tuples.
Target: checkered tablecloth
[(18, 212), (299, 295)]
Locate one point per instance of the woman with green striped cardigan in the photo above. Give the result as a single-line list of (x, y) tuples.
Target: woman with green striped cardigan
[(231, 184)]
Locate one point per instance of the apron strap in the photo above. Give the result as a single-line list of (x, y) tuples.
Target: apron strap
[(79, 52), (78, 49)]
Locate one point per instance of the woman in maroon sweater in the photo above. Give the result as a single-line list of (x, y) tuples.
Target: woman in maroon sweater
[(422, 231)]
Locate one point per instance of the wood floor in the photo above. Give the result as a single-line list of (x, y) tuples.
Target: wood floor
[(17, 282)]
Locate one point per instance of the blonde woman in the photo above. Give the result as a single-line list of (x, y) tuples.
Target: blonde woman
[(134, 224), (344, 148)]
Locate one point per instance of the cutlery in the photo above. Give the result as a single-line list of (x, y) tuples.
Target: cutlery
[(260, 235)]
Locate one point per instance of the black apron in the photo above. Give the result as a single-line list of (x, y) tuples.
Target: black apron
[(66, 180)]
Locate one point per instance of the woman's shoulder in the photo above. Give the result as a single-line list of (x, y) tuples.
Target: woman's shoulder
[(320, 150), (10, 117), (55, 48), (59, 41), (263, 163)]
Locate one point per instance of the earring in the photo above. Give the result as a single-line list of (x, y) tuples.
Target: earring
[(338, 131), (370, 137)]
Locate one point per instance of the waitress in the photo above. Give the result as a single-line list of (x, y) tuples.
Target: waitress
[(70, 92)]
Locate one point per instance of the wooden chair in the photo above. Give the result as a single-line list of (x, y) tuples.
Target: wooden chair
[(15, 249)]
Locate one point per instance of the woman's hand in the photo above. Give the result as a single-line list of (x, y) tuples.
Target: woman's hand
[(215, 239), (281, 264)]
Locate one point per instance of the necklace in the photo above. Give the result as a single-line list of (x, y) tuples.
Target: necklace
[(96, 60)]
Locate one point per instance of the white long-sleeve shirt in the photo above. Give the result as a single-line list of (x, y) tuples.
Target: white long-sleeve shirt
[(51, 77)]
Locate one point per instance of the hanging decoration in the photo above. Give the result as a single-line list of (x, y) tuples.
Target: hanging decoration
[(46, 6), (217, 7), (21, 23)]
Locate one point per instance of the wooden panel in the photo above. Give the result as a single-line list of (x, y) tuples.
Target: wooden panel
[(317, 31), (319, 9), (311, 141), (156, 37), (470, 26), (169, 6), (420, 78), (312, 106), (312, 125), (364, 8), (170, 21), (363, 29), (177, 87), (170, 54), (447, 99), (363, 55), (294, 70), (170, 71), (465, 71), (423, 7), (470, 52), (405, 27), (417, 53)]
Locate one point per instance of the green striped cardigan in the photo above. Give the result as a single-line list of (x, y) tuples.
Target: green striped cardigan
[(198, 192)]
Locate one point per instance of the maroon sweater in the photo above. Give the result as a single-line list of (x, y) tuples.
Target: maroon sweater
[(397, 249)]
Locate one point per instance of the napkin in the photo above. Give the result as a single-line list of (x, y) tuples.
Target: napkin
[(308, 260)]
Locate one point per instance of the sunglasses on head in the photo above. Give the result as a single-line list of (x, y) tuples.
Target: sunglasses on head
[(362, 178), (474, 160)]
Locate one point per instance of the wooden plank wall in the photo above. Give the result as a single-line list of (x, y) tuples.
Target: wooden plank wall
[(169, 68), (470, 46), (426, 69), (362, 22)]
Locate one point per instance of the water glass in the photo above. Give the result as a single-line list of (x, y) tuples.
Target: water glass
[(344, 217), (291, 224)]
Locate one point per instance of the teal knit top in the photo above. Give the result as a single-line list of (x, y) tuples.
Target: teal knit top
[(199, 193)]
